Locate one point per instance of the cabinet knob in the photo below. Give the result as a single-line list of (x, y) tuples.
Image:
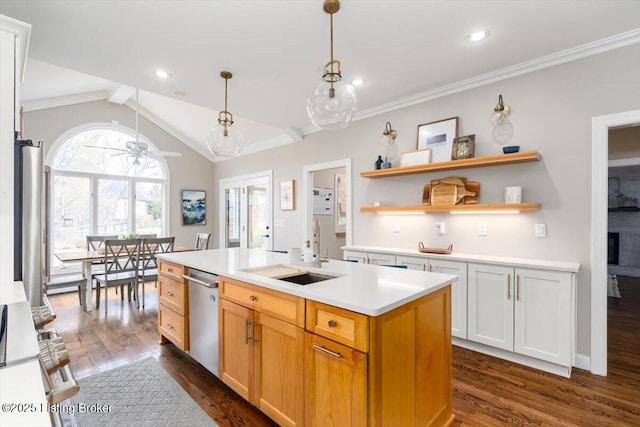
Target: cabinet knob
[(253, 298), (332, 323), (169, 293), (169, 326), (170, 270)]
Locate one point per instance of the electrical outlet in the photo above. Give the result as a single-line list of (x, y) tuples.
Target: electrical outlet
[(541, 230), (396, 227), (440, 228), (482, 229)]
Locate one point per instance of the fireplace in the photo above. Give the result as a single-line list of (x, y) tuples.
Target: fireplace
[(613, 248)]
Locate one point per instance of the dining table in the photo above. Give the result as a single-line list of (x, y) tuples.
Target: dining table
[(87, 257)]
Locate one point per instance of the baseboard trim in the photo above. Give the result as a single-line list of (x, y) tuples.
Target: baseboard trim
[(582, 361)]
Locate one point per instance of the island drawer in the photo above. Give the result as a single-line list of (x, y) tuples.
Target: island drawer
[(337, 324), (173, 294), (173, 326), (173, 270), (285, 307)]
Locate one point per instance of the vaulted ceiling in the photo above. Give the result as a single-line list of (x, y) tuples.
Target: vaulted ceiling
[(406, 51)]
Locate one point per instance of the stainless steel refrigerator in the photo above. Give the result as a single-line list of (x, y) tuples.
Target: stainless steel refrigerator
[(29, 218)]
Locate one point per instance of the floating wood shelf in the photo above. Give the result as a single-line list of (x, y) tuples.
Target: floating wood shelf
[(500, 159), (470, 208), (627, 209)]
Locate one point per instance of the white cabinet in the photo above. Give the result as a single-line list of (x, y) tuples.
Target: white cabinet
[(527, 311), (370, 258)]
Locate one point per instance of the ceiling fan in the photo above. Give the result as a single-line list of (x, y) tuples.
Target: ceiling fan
[(137, 149)]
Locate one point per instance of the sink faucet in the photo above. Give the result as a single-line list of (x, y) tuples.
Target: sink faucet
[(317, 262)]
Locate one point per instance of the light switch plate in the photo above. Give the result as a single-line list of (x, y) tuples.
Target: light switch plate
[(541, 230), (396, 227), (440, 228), (482, 229)]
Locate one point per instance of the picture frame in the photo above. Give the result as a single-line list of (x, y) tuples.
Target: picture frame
[(194, 207), (287, 195), (416, 157), (438, 136), (463, 147)]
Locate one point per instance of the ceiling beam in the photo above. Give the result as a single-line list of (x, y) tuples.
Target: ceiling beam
[(120, 94)]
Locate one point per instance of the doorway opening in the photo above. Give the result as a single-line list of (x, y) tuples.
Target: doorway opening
[(327, 206), (246, 211)]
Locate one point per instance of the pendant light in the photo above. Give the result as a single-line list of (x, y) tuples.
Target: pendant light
[(225, 140), (334, 102)]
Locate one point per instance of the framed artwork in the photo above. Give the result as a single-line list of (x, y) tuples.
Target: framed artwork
[(438, 137), (193, 207), (463, 147), (287, 195), (417, 157)]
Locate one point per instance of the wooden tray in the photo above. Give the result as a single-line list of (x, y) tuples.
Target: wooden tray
[(469, 195), (446, 251)]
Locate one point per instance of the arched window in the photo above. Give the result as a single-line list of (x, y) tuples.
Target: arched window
[(100, 187)]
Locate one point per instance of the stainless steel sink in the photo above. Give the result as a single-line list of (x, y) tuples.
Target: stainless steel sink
[(306, 278)]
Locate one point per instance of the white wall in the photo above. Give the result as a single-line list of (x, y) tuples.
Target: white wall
[(551, 113), (189, 172)]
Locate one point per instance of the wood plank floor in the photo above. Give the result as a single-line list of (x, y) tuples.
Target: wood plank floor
[(487, 391)]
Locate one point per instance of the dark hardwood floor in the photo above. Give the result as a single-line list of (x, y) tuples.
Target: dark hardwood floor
[(487, 391)]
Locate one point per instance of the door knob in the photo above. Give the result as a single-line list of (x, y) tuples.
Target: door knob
[(265, 235)]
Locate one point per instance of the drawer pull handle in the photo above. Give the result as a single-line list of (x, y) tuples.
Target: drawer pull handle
[(332, 323), (253, 298), (327, 351), (169, 326)]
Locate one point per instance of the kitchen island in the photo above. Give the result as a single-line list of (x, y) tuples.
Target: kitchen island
[(366, 345)]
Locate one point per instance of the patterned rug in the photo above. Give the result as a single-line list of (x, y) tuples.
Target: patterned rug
[(138, 394)]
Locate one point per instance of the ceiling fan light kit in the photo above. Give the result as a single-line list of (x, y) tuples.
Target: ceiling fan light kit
[(334, 102), (224, 140)]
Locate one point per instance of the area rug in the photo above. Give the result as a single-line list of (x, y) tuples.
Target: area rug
[(612, 286), (138, 394)]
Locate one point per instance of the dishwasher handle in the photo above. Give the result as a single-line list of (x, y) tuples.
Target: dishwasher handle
[(200, 282)]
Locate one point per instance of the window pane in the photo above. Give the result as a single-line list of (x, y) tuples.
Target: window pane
[(149, 208), (113, 207), (70, 218), (105, 150), (257, 215)]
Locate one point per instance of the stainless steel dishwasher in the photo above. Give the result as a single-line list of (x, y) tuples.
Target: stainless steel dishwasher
[(203, 318)]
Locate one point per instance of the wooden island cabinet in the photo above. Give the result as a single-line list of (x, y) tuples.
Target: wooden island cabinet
[(307, 363)]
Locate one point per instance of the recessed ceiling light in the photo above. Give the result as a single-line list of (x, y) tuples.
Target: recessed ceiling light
[(163, 74), (358, 82), (477, 36)]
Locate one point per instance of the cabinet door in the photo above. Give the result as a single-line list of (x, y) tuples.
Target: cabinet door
[(278, 381), (355, 256), (490, 302), (235, 330), (335, 384), (543, 315), (458, 293), (381, 259), (413, 263)]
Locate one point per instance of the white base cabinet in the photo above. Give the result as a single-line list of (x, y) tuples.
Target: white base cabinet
[(525, 314)]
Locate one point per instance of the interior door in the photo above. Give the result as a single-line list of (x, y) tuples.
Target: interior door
[(258, 214)]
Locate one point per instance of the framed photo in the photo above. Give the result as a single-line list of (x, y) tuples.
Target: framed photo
[(417, 157), (438, 137), (193, 207), (287, 195), (463, 147)]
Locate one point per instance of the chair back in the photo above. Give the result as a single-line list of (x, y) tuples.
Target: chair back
[(202, 241), (121, 255), (147, 236), (153, 246), (95, 243)]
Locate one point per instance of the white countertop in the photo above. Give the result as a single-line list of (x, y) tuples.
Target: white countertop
[(11, 292), (365, 289), (23, 398), (572, 267)]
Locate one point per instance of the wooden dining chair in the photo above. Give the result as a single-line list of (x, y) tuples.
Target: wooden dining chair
[(149, 262), (121, 267), (202, 241)]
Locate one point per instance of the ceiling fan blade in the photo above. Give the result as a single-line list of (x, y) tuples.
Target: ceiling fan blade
[(106, 148), (126, 152), (170, 153)]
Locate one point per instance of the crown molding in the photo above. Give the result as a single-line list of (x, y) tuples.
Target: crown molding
[(61, 101), (594, 48), (22, 32)]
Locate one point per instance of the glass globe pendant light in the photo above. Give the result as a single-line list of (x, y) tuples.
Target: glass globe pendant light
[(334, 102), (502, 127), (225, 140)]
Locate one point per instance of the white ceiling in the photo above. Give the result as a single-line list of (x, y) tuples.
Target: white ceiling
[(405, 50)]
